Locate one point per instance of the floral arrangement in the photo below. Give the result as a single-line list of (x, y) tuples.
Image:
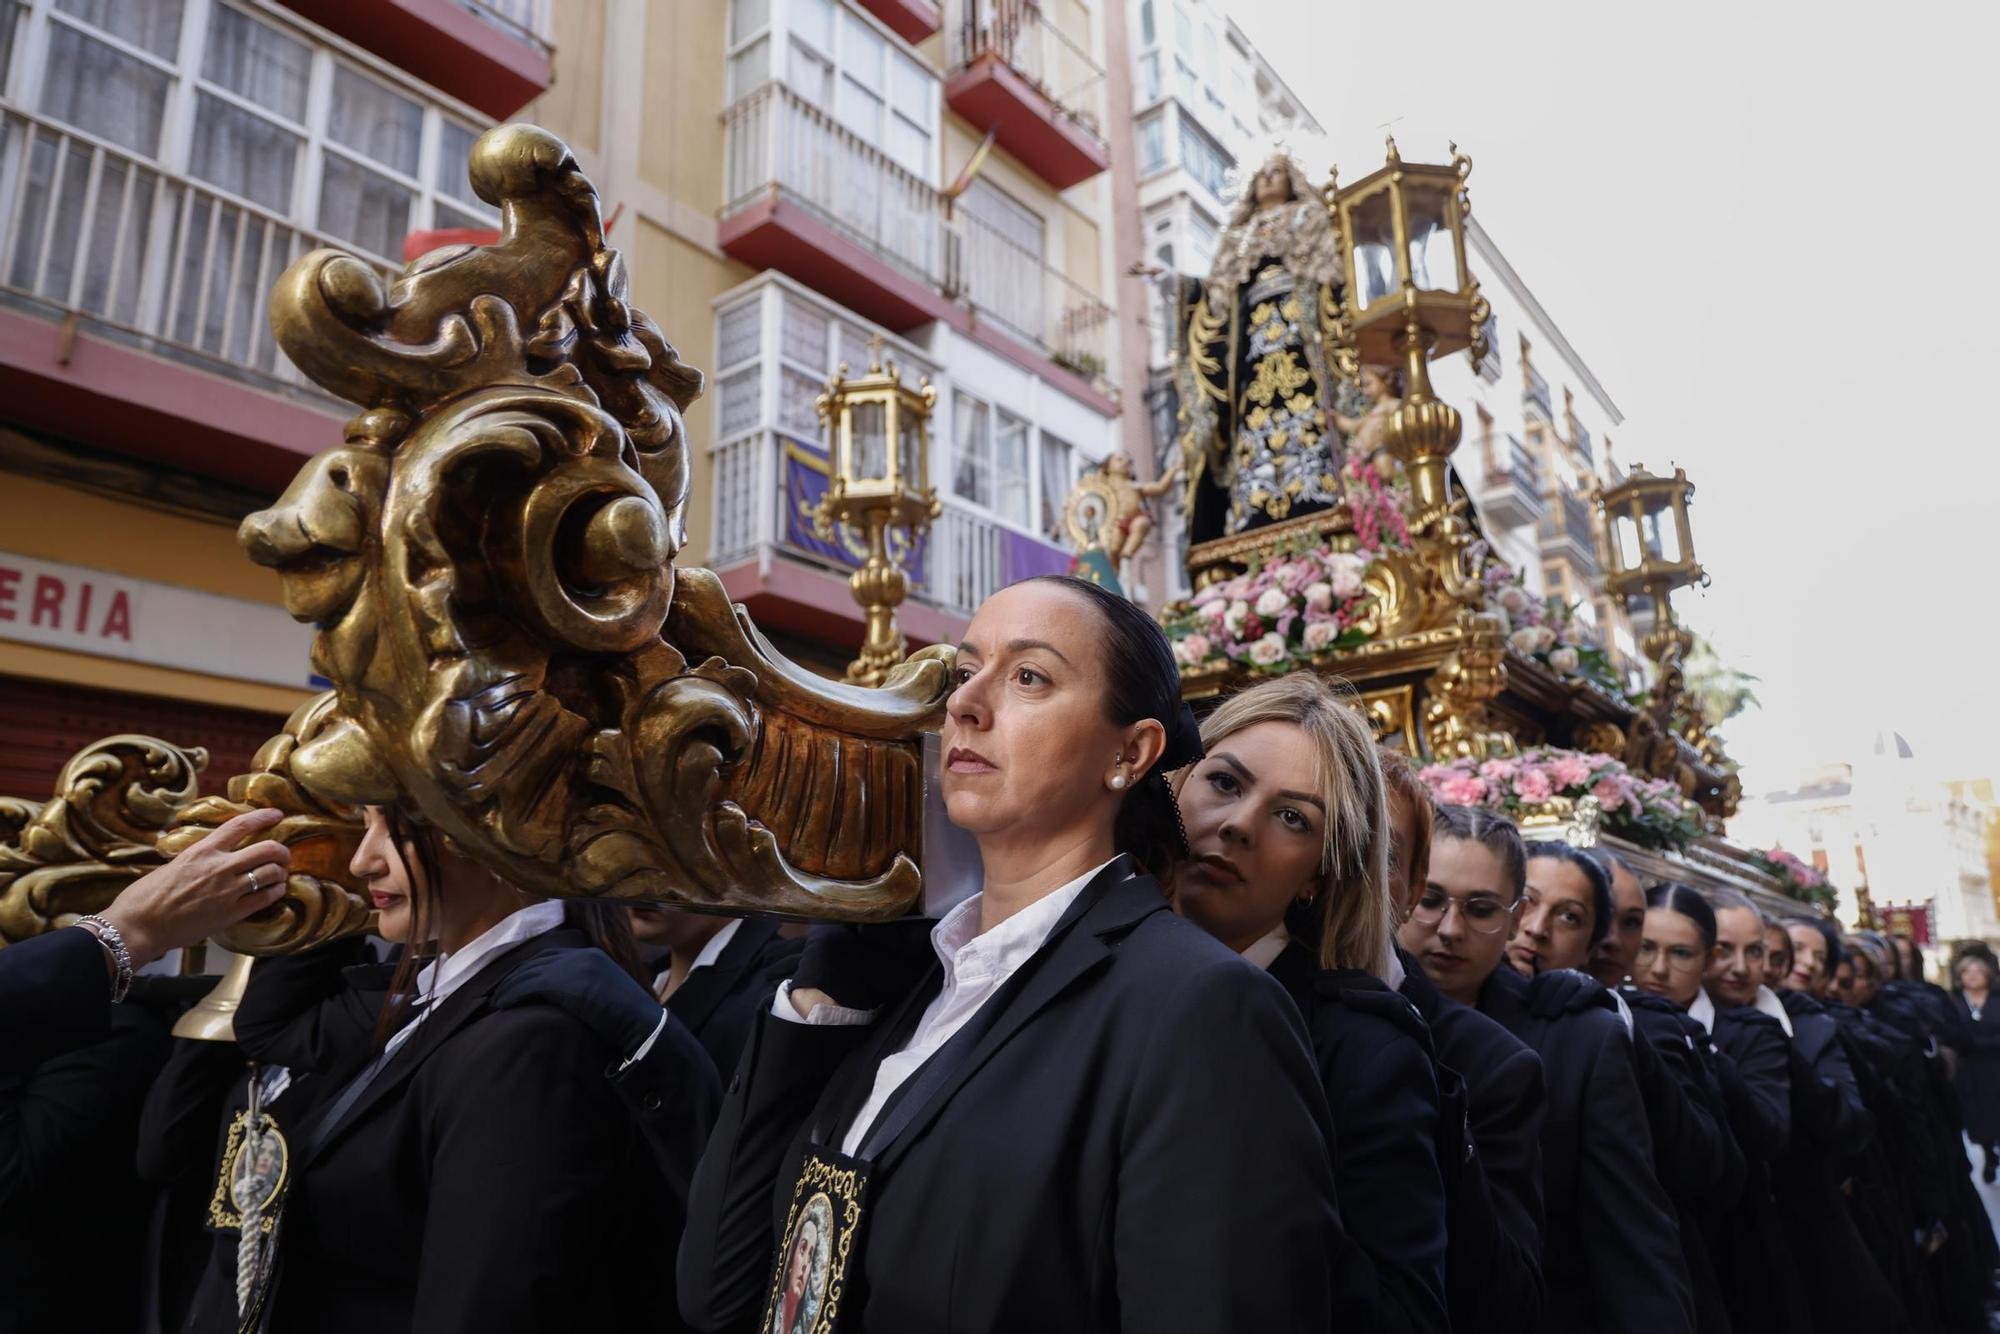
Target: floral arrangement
[(1294, 609), (1801, 880), (1378, 505), (1646, 811), (1545, 629)]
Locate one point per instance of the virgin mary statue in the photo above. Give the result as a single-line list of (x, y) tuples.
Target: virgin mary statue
[(1255, 372)]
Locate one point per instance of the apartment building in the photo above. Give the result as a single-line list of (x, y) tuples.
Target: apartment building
[(161, 162), (1538, 443), (802, 178)]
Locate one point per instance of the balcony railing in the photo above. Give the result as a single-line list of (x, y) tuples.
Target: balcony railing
[(775, 142), (1569, 530), (1536, 393), (90, 229), (523, 20), (1512, 496), (774, 139), (1581, 442), (967, 555), (1020, 34)]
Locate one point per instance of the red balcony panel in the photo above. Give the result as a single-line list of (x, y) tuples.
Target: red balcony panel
[(911, 20), (988, 92), (773, 233), (123, 399), (815, 604), (445, 45)]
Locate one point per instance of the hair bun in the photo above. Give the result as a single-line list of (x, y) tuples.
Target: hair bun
[(1183, 740)]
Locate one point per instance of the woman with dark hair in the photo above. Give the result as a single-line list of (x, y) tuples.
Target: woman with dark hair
[(1069, 1108), (474, 1169), (1493, 1251), (1567, 913), (1696, 1155), (1287, 824), (1610, 1256)]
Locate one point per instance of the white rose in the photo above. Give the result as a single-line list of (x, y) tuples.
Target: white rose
[(1513, 599), (1347, 581), (1319, 596), (1269, 649), (1522, 641), (1545, 638), (1565, 660), (1320, 634), (1272, 601), (1239, 611)]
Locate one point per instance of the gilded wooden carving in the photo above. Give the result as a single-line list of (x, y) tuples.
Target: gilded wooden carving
[(489, 560), (71, 855)]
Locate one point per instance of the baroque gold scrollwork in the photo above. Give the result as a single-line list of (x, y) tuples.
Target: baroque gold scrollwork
[(71, 855), (489, 559)]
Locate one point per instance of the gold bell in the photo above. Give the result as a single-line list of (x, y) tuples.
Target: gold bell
[(213, 1018)]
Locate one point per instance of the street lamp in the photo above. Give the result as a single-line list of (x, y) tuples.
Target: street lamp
[(1650, 552), (878, 447), (1409, 298)]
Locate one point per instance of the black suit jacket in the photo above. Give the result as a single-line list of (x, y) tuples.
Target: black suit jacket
[(1136, 1142), (489, 1178), (1376, 1066), (1752, 1256), (1611, 1250), (1493, 1263), (720, 1003), (69, 1193), (55, 996)]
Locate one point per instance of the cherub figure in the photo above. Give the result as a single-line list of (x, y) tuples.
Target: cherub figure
[(1130, 522), (1383, 388)]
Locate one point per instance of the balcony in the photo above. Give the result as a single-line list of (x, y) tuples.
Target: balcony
[(1014, 71), (915, 21), (1511, 496), (1535, 392), (491, 54), (1568, 532), (764, 547), (1580, 441), (112, 271), (810, 198)]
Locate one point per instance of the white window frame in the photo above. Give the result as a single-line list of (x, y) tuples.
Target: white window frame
[(174, 154)]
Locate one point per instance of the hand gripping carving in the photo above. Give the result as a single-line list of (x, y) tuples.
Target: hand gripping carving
[(489, 559)]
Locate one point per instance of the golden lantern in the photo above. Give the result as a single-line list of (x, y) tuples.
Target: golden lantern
[(878, 451), (1408, 298), (1649, 550)]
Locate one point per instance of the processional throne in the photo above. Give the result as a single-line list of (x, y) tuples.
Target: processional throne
[(488, 557)]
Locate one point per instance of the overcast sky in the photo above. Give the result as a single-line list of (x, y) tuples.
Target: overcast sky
[(1766, 226)]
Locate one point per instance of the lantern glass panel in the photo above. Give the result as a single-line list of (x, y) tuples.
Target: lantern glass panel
[(869, 461), (1663, 542), (1627, 533), (1433, 250), (1374, 230), (910, 447)]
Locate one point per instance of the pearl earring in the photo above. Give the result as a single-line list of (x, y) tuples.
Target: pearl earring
[(1118, 781)]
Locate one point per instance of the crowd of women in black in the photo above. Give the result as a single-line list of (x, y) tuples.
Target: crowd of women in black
[(1239, 1033)]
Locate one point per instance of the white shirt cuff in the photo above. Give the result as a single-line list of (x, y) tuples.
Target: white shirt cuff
[(823, 1014), (647, 1045)]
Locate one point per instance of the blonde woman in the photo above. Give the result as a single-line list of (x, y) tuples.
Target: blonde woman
[(1288, 828)]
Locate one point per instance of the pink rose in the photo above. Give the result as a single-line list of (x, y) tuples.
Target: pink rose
[(1319, 596), (1195, 649), (1461, 789), (1611, 792), (1569, 770), (1320, 634), (1533, 785)]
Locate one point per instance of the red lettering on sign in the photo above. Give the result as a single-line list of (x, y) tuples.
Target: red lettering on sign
[(8, 579), (118, 621), (48, 599), (83, 605)]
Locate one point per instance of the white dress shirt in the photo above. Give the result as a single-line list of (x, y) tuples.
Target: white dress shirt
[(976, 965), (1767, 1001), (447, 973), (1702, 1011), (710, 952), (1265, 951)]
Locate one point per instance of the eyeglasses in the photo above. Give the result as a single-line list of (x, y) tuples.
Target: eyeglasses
[(1480, 912)]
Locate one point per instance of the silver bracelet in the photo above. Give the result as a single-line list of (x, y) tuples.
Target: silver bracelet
[(114, 943)]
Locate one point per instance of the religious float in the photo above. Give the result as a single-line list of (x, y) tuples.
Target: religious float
[(1328, 531)]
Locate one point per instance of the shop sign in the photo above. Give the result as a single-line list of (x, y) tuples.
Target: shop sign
[(112, 616)]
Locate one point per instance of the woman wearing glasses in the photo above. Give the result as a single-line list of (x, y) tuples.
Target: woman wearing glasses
[(1493, 1257), (1610, 1256), (1696, 1153), (1288, 831)]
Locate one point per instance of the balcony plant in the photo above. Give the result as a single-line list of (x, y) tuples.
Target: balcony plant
[(1645, 811)]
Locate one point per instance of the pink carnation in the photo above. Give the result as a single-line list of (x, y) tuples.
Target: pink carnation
[(1461, 789), (1533, 785), (1568, 771)]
